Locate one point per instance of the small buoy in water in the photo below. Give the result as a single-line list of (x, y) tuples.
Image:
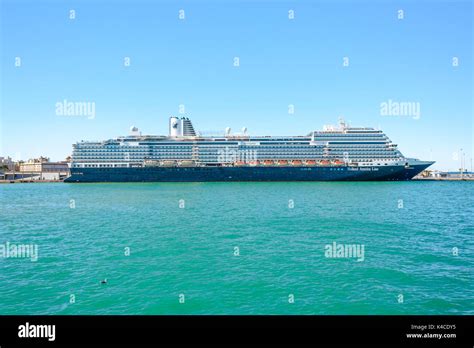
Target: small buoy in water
[(104, 281)]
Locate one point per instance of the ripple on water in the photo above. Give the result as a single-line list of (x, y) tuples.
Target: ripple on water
[(191, 251)]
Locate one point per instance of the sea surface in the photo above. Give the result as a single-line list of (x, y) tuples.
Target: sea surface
[(238, 248)]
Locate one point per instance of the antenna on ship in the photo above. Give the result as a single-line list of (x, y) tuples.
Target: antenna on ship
[(342, 123), (227, 131), (134, 131)]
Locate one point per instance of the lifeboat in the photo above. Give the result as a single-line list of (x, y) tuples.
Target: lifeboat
[(254, 163), (324, 162), (282, 162), (168, 163), (338, 162), (296, 162), (187, 163), (310, 162), (151, 163), (268, 162), (239, 163)]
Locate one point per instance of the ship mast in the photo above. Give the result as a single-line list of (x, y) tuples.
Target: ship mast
[(342, 123)]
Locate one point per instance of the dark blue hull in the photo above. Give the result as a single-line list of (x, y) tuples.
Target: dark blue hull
[(202, 174)]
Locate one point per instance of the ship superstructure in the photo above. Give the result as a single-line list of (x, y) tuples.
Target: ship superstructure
[(336, 148)]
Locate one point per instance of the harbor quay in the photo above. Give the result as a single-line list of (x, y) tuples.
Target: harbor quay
[(34, 170)]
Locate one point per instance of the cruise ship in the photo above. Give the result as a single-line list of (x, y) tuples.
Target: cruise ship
[(336, 153)]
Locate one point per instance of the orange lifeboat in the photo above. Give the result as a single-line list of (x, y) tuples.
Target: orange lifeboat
[(338, 162), (310, 162), (296, 162), (240, 163), (282, 162), (325, 162), (254, 163), (268, 162)]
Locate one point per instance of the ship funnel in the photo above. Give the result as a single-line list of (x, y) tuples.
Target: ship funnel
[(187, 129), (175, 127), (181, 127)]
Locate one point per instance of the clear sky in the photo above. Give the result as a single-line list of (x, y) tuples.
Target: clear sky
[(190, 61)]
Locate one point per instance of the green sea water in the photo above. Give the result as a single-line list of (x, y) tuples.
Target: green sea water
[(238, 248)]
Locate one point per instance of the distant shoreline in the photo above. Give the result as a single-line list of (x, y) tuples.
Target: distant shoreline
[(443, 179)]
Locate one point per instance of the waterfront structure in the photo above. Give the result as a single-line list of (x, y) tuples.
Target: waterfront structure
[(335, 153), (6, 164), (441, 175), (38, 166), (42, 169)]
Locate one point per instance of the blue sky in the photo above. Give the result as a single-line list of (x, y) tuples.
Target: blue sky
[(282, 62)]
